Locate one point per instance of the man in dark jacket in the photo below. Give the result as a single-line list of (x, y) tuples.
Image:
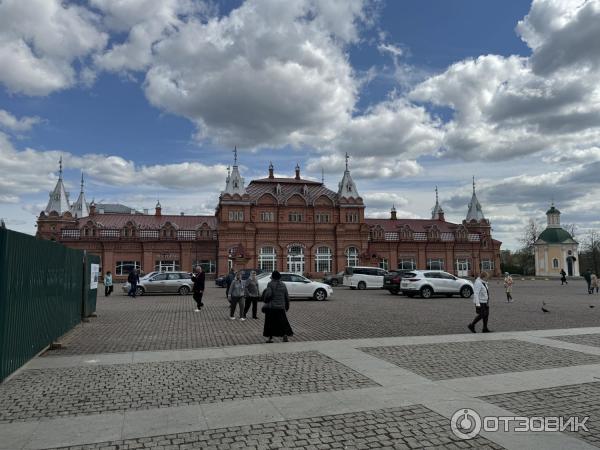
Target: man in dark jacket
[(588, 279), (198, 289), (228, 281), (133, 278)]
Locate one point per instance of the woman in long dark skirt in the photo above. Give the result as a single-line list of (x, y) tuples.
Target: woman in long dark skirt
[(277, 302)]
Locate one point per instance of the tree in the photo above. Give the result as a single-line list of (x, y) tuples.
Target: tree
[(590, 257), (571, 228), (526, 255)]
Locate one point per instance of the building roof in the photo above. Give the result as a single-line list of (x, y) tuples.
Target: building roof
[(284, 188), (59, 198), (418, 225), (80, 208), (553, 210), (475, 212), (554, 236), (114, 208), (148, 222)]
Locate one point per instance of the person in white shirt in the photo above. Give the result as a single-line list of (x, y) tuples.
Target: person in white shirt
[(481, 298)]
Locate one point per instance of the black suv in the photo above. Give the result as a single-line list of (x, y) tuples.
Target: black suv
[(391, 281)]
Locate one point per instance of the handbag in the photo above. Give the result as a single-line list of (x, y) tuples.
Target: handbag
[(267, 303)]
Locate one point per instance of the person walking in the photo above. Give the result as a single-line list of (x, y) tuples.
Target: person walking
[(228, 280), (594, 284), (481, 296), (563, 277), (236, 296), (108, 284), (198, 278), (277, 302), (508, 283), (251, 294), (588, 279), (133, 278)]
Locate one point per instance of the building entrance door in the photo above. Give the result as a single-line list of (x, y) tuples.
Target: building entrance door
[(570, 266), (296, 260), (462, 267)]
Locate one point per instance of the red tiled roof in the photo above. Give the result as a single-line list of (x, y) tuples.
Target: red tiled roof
[(148, 222), (289, 186), (418, 225)]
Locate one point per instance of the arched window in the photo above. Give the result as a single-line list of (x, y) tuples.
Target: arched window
[(267, 259), (351, 257), (323, 259), (295, 259), (555, 263)]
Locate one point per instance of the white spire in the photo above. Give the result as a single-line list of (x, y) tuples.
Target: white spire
[(347, 188), (234, 184), (475, 212), (437, 213), (59, 199), (80, 207)]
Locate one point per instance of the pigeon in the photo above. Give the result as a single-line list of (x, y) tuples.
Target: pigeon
[(544, 309), (592, 306)]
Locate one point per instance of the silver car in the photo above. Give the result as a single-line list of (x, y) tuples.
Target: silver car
[(164, 283)]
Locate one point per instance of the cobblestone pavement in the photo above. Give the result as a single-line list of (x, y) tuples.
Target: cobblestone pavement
[(168, 322), (565, 401), (120, 387), (583, 339), (443, 361), (414, 427)]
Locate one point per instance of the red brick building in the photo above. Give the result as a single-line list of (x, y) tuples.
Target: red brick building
[(289, 224)]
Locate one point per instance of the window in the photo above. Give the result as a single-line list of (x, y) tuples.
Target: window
[(124, 267), (236, 216), (487, 264), (352, 217), (295, 217), (159, 277), (267, 216), (323, 259), (322, 218), (383, 264), (352, 257), (407, 264), (166, 266), (267, 259), (435, 264), (208, 266), (555, 263)]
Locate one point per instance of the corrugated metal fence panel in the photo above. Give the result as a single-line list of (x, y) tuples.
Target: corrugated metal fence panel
[(89, 294), (40, 296)]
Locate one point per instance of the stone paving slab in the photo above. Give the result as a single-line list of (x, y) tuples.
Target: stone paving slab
[(469, 359), (583, 339), (563, 401), (120, 387), (413, 427)]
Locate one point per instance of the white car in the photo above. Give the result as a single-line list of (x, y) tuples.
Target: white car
[(363, 277), (298, 286), (427, 283)]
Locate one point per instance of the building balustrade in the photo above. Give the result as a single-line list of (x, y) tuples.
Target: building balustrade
[(70, 234)]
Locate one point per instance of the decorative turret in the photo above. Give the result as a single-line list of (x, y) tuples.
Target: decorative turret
[(475, 212), (158, 209), (235, 182), (437, 213), (297, 177), (59, 199), (80, 207), (393, 213), (553, 217), (347, 188), (271, 174)]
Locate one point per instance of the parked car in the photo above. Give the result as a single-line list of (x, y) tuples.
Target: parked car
[(221, 281), (427, 283), (164, 283), (364, 277), (298, 286), (391, 280), (334, 279)]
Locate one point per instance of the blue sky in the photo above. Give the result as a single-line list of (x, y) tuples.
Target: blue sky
[(148, 98)]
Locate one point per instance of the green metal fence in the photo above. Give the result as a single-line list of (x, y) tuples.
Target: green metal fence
[(41, 295)]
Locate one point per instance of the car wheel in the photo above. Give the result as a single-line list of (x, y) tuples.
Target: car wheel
[(334, 282), (320, 295), (426, 292), (184, 290), (466, 292), (362, 285), (140, 291)]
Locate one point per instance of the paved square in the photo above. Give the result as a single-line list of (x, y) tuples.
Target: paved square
[(470, 359), (88, 390), (565, 401), (583, 339), (414, 427), (168, 322)]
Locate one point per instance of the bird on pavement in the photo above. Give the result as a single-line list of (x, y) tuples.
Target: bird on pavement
[(544, 309), (592, 306)]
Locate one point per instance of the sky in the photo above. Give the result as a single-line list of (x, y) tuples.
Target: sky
[(149, 97)]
